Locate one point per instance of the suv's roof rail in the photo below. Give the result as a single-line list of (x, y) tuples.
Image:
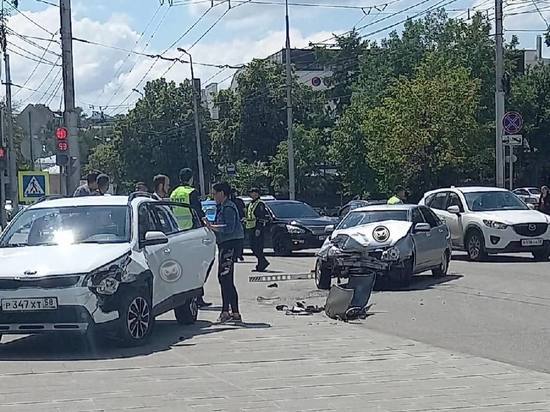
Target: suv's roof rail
[(135, 195), (49, 197)]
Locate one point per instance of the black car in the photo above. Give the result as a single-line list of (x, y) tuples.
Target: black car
[(295, 226)]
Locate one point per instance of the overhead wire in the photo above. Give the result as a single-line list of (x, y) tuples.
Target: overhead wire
[(29, 19), (119, 70), (29, 77)]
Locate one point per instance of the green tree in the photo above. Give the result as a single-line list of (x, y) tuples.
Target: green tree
[(414, 138), (157, 136), (252, 120)]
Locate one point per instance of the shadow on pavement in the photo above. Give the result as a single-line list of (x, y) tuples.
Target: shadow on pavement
[(59, 347), (497, 259), (421, 282)]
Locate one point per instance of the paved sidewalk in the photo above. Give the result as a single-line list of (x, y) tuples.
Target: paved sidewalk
[(285, 364)]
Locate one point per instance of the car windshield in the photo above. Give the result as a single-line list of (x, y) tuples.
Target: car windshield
[(291, 210), (491, 201), (362, 218), (69, 225)]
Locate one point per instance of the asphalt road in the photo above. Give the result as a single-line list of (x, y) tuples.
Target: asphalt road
[(498, 310)]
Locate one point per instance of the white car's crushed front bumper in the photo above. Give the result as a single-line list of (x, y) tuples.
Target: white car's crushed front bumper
[(77, 309)]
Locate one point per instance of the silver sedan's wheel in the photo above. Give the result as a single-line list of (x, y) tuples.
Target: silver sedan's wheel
[(444, 266)]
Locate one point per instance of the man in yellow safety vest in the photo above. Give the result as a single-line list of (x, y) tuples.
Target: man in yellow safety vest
[(400, 196), (256, 219), (186, 193)]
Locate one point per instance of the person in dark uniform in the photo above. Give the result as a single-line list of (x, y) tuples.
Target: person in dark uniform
[(242, 209), (256, 220)]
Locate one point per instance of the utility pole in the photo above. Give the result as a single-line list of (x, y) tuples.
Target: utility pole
[(30, 141), (3, 216), (289, 121), (12, 153), (70, 116), (197, 124), (499, 93)]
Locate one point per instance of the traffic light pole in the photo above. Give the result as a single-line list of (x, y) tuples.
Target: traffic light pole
[(499, 93), (70, 116)]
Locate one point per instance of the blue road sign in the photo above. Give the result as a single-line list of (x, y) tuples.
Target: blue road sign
[(512, 122), (33, 186)]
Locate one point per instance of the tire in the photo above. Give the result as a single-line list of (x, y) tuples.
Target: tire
[(443, 268), (187, 313), (541, 255), (136, 320), (475, 246), (282, 245), (403, 276), (323, 277)]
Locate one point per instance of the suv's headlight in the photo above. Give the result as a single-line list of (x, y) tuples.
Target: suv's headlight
[(391, 255), (495, 225), (294, 230), (106, 279)]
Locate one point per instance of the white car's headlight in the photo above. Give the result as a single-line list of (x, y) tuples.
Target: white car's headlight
[(391, 255), (295, 230), (495, 225), (106, 279)]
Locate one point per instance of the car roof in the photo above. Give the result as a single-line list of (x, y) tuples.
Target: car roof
[(84, 201), (469, 189), (283, 202), (374, 208)]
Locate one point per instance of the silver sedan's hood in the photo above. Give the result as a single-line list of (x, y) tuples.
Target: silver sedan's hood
[(372, 235)]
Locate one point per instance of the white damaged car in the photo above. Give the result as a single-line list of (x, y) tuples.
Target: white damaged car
[(395, 241), (108, 263)]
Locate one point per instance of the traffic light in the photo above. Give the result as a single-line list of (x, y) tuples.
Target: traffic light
[(3, 158), (62, 146)]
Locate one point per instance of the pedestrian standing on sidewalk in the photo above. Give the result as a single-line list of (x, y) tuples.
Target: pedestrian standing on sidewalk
[(229, 234), (256, 220), (161, 187), (544, 202), (103, 184), (90, 187)]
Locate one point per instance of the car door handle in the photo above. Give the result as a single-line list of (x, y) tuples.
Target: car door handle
[(167, 251), (207, 241)]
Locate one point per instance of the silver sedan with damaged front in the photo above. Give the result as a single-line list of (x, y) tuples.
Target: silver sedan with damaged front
[(393, 241)]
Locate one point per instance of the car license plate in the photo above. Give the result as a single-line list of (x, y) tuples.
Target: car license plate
[(532, 242), (28, 304), (322, 237)]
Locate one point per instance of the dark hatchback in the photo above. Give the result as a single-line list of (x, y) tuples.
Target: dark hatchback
[(295, 226)]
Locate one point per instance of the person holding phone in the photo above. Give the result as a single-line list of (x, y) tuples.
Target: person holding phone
[(229, 236)]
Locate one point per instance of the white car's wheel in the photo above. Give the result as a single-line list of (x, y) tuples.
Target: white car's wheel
[(475, 246), (187, 313), (136, 318)]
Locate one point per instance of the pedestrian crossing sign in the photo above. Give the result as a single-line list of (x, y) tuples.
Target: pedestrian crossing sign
[(33, 186)]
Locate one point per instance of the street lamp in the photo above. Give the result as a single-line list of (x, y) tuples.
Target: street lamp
[(197, 125), (139, 92)]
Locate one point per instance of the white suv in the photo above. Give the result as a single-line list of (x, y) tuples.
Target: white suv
[(112, 263), (486, 220)]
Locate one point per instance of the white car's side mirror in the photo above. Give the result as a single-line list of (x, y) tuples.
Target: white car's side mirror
[(329, 229), (154, 238), (455, 210)]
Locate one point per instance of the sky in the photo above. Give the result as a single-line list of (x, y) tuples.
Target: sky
[(105, 77)]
